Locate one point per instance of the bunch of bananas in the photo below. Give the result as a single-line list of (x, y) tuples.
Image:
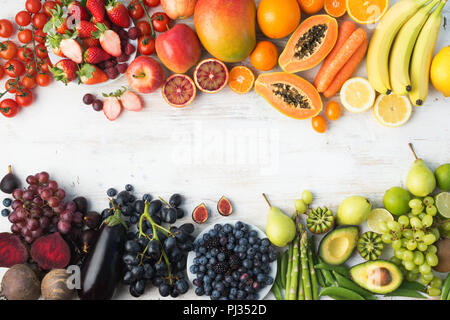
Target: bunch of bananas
[(401, 48)]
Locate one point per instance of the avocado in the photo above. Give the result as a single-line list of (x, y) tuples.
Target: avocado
[(338, 245), (378, 276)]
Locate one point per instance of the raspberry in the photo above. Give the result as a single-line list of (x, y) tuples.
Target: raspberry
[(123, 58), (130, 49), (123, 34), (122, 67), (133, 33), (109, 64), (112, 72)]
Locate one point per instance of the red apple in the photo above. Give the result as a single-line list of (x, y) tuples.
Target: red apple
[(179, 48), (145, 74)]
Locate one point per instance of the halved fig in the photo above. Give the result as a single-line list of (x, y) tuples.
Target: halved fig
[(224, 206), (200, 214)]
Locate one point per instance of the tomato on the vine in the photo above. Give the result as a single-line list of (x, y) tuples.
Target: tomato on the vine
[(152, 3), (143, 28), (14, 68), (23, 18), (30, 68), (6, 28), (160, 21), (39, 20), (40, 36), (135, 10), (28, 82), (8, 50), (12, 84), (33, 6), (43, 79), (319, 124), (25, 36), (24, 98), (333, 110), (2, 73), (41, 51), (45, 65), (25, 54), (9, 108), (146, 45)]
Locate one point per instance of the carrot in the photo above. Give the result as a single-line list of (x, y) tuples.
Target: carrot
[(345, 31), (341, 58), (347, 70)]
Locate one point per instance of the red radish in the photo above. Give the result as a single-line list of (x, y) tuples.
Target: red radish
[(85, 29), (109, 40), (12, 250), (112, 108), (96, 55), (65, 71), (131, 101), (72, 50), (90, 74), (50, 252), (97, 9), (118, 13)]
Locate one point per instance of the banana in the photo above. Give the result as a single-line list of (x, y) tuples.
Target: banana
[(403, 48), (381, 42), (422, 55)]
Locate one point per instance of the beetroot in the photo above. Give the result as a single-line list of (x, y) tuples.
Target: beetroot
[(12, 250), (51, 252)]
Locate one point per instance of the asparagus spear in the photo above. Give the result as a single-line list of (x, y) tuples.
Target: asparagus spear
[(315, 260), (292, 294), (315, 287), (301, 290), (305, 266), (289, 268)]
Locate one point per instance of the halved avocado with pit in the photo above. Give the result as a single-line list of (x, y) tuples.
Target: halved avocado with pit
[(338, 245), (378, 276)]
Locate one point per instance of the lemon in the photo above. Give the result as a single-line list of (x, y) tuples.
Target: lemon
[(440, 71), (376, 216), (392, 110), (357, 95), (443, 204)]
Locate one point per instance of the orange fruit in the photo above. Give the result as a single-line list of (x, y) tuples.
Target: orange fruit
[(311, 6), (241, 79), (277, 19), (265, 56), (335, 8), (367, 11)]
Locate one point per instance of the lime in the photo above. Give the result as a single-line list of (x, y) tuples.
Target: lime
[(376, 216), (396, 201), (443, 177), (443, 204)]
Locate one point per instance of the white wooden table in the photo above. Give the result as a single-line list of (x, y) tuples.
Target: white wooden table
[(222, 144)]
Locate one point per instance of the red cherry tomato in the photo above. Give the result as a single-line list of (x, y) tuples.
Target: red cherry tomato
[(33, 6), (319, 124), (43, 79), (160, 21), (333, 110), (143, 28), (6, 28), (23, 18), (30, 68), (146, 45), (152, 3), (8, 50), (41, 51), (2, 73), (39, 20), (40, 36), (25, 36), (14, 68), (46, 65), (28, 82), (25, 54), (24, 98), (48, 6), (135, 10), (9, 108), (12, 84)]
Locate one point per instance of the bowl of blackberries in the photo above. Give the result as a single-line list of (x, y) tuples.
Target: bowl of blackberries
[(232, 260)]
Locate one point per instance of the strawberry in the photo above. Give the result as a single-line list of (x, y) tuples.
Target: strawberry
[(85, 29), (76, 10), (65, 71), (90, 74), (97, 9), (96, 55), (131, 101), (72, 50), (112, 108), (118, 13), (90, 42), (63, 27), (54, 42), (56, 21), (109, 40)]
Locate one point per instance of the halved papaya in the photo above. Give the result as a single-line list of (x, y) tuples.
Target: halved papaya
[(290, 94), (309, 44)]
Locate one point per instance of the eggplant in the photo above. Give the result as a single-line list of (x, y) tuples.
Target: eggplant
[(103, 268)]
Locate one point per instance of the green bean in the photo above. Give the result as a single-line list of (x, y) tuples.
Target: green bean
[(277, 291), (349, 284), (283, 267), (445, 293), (340, 293), (412, 285), (329, 279), (405, 293), (320, 277), (339, 269)]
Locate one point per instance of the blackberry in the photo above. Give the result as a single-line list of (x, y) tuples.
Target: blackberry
[(220, 267), (212, 243), (234, 261)]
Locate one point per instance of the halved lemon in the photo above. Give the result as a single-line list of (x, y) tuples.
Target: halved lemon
[(376, 216), (357, 95), (241, 79), (392, 110), (367, 11)]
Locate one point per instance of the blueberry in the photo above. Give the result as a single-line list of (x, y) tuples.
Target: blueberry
[(111, 192), (269, 280), (215, 294), (182, 286), (7, 202), (213, 233), (5, 212), (199, 291), (221, 256), (203, 260), (219, 287), (265, 242), (247, 263), (129, 187), (227, 228)]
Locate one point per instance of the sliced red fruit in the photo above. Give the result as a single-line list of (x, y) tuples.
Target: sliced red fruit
[(51, 252), (224, 206), (112, 108), (131, 101), (200, 213), (109, 40), (12, 250), (179, 90), (211, 75), (72, 50)]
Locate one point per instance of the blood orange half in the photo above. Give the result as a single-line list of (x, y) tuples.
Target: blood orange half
[(179, 90), (211, 75)]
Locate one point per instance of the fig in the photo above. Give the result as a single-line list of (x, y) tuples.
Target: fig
[(54, 285), (224, 206), (200, 213), (12, 250), (81, 204), (9, 182), (20, 283), (51, 252)]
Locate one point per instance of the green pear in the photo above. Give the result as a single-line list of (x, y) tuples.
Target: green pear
[(353, 211), (421, 180), (280, 228)]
